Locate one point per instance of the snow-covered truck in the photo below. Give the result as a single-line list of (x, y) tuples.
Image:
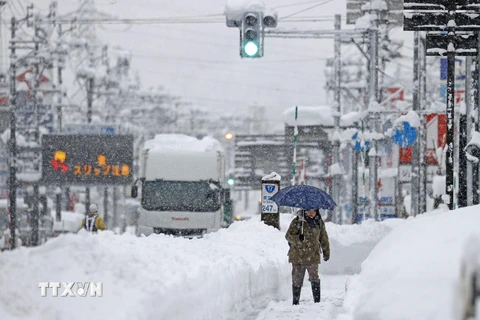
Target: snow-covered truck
[(182, 186)]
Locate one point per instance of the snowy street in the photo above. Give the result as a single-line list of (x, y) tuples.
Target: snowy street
[(237, 273), (193, 160), (333, 293)]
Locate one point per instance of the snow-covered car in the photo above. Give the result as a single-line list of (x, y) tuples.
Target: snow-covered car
[(469, 285)]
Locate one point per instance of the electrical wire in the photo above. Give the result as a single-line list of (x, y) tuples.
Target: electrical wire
[(307, 9)]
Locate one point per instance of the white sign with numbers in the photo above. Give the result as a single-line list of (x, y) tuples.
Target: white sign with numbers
[(268, 191)]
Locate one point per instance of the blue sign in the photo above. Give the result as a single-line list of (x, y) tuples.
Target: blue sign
[(358, 145), (269, 188), (459, 77), (405, 137), (25, 117), (90, 129)]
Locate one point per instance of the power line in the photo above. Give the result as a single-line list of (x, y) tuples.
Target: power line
[(312, 7), (296, 4)]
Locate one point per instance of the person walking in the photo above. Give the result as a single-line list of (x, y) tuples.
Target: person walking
[(306, 236), (93, 222)]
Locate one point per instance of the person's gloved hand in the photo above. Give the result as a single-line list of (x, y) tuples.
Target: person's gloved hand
[(326, 258), (301, 237)]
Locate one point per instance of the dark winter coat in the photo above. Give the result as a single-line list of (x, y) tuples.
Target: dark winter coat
[(316, 237)]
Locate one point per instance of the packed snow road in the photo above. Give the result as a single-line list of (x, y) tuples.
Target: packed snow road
[(237, 273), (331, 305)]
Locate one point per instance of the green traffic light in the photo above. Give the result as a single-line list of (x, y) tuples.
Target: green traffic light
[(251, 48), (230, 181)]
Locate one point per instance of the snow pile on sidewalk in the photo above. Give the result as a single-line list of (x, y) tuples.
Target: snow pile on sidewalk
[(230, 274), (226, 273), (413, 273)]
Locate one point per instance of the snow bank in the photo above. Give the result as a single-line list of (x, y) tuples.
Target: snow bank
[(226, 275), (413, 273), (71, 221)]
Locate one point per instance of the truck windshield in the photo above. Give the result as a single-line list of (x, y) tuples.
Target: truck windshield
[(199, 196)]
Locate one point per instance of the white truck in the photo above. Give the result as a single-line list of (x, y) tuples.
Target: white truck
[(182, 186)]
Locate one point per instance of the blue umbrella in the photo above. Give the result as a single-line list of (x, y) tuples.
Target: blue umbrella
[(305, 197)]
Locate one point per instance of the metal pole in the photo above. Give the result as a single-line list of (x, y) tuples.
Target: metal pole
[(337, 93), (58, 208), (89, 120), (105, 207), (115, 217), (12, 180), (450, 111), (355, 185), (422, 139), (36, 195), (415, 181), (468, 128), (373, 99), (476, 99), (476, 176)]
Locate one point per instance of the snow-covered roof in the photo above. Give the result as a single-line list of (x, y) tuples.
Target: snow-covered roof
[(318, 116), (184, 143)]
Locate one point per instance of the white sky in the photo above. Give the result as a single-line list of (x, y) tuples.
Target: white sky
[(201, 62)]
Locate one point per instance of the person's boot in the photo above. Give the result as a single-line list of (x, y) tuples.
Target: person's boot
[(296, 294), (316, 291)]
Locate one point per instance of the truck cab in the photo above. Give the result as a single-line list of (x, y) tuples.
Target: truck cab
[(182, 189)]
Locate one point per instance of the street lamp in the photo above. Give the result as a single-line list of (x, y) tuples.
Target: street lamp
[(229, 136)]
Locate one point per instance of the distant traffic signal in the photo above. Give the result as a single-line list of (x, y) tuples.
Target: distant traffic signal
[(252, 24), (231, 181), (251, 35)]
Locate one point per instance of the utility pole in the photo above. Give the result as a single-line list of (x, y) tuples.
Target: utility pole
[(105, 190), (373, 101), (60, 62), (468, 130), (422, 139), (34, 222), (415, 177), (90, 84), (336, 176), (450, 109), (12, 180), (477, 103)]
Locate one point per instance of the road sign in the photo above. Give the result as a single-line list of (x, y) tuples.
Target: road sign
[(404, 173), (360, 144), (465, 45), (90, 129), (87, 159), (459, 80), (436, 136), (268, 191), (404, 136)]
